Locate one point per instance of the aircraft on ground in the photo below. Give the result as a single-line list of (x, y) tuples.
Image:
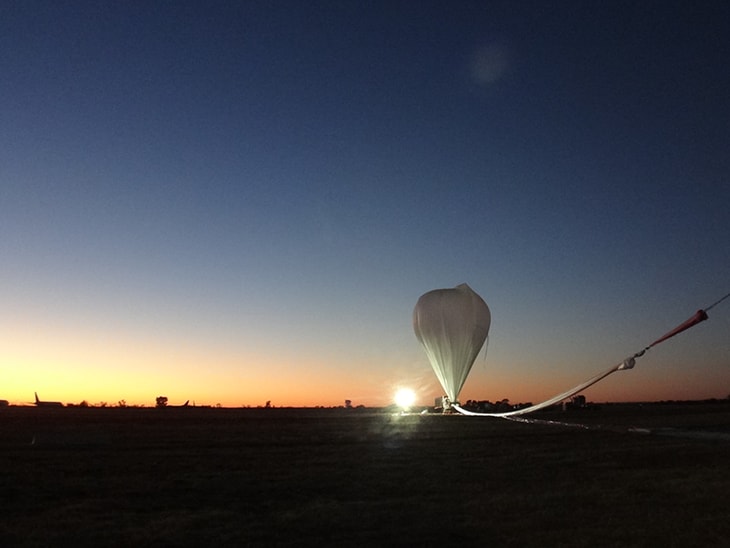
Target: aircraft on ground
[(40, 403)]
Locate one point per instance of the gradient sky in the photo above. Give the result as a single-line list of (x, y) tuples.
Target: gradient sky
[(235, 202)]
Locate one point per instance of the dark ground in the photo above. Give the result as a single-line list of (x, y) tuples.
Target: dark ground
[(238, 477)]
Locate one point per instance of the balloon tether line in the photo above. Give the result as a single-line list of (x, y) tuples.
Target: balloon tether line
[(717, 302), (628, 363)]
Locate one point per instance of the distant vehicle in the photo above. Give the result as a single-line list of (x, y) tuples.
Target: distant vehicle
[(40, 403)]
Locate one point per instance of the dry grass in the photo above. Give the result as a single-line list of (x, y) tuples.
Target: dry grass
[(191, 477)]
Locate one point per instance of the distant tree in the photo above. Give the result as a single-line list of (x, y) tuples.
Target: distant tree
[(84, 403), (121, 403), (161, 401), (504, 405), (348, 404), (268, 404)]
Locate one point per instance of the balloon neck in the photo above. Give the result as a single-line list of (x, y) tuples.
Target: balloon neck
[(448, 406)]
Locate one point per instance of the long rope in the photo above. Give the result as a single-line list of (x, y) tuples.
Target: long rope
[(628, 363), (717, 302)]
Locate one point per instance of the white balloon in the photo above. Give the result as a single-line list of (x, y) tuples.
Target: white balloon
[(452, 325)]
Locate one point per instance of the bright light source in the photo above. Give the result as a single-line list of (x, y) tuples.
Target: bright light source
[(405, 397)]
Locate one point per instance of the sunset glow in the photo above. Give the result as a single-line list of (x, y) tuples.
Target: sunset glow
[(241, 203), (405, 398)]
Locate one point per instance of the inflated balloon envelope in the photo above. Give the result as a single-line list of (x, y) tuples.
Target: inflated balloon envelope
[(452, 325)]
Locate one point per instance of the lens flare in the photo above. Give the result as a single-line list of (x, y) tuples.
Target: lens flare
[(405, 397)]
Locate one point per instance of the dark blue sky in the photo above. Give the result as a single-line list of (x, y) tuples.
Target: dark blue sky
[(276, 183)]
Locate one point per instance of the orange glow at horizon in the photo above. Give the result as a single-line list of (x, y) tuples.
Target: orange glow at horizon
[(88, 366), (92, 366)]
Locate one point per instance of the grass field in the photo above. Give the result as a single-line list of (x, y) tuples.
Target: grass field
[(255, 477)]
